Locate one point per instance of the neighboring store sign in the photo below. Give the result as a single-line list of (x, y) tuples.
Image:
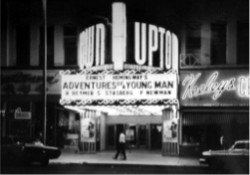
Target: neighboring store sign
[(27, 82), (224, 87), (24, 115), (123, 86)]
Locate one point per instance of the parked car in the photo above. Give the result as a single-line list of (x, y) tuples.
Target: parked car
[(26, 150), (237, 156)]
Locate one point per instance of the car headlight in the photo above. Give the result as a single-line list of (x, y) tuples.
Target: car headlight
[(206, 153)]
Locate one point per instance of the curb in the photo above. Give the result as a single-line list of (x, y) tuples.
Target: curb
[(123, 164)]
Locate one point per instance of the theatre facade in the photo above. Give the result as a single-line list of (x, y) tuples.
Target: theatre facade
[(127, 77), (134, 91)]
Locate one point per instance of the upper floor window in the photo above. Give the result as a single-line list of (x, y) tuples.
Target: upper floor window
[(193, 45), (218, 43), (50, 46), (243, 43), (23, 45), (70, 45), (193, 40)]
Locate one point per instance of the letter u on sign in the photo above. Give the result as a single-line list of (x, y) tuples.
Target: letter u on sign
[(91, 48)]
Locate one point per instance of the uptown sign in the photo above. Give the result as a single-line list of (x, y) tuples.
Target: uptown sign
[(148, 40)]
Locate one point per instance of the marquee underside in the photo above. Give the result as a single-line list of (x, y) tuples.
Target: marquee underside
[(118, 102), (122, 110)]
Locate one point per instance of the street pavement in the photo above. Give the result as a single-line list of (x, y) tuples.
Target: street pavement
[(138, 162), (134, 157)]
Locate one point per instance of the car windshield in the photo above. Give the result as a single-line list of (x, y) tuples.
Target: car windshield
[(241, 146), (25, 140), (20, 140)]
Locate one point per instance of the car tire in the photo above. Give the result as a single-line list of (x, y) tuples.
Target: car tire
[(45, 162)]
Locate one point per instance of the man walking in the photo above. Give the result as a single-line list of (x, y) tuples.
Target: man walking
[(121, 146)]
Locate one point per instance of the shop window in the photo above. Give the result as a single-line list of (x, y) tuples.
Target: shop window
[(243, 43), (25, 106), (3, 112), (38, 120), (131, 136), (50, 46), (206, 129), (20, 126), (156, 135), (23, 45), (142, 135), (111, 135), (68, 130), (70, 45), (218, 43)]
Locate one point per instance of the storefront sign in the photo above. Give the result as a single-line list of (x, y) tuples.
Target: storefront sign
[(216, 87), (19, 114), (29, 82), (119, 86)]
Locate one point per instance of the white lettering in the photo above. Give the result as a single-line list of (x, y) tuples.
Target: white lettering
[(168, 50), (161, 31), (91, 48), (90, 44), (119, 35), (210, 87), (159, 41), (140, 40), (243, 86), (175, 53), (152, 43), (100, 44)]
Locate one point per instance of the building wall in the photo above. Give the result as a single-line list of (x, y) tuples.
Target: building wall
[(190, 20), (64, 15)]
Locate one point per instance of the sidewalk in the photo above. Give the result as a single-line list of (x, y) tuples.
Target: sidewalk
[(134, 157)]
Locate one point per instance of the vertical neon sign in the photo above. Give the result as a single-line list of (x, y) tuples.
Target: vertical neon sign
[(119, 35)]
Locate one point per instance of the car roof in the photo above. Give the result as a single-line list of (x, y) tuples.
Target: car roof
[(19, 138), (242, 141)]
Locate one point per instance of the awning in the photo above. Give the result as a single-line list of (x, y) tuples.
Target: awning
[(208, 118)]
